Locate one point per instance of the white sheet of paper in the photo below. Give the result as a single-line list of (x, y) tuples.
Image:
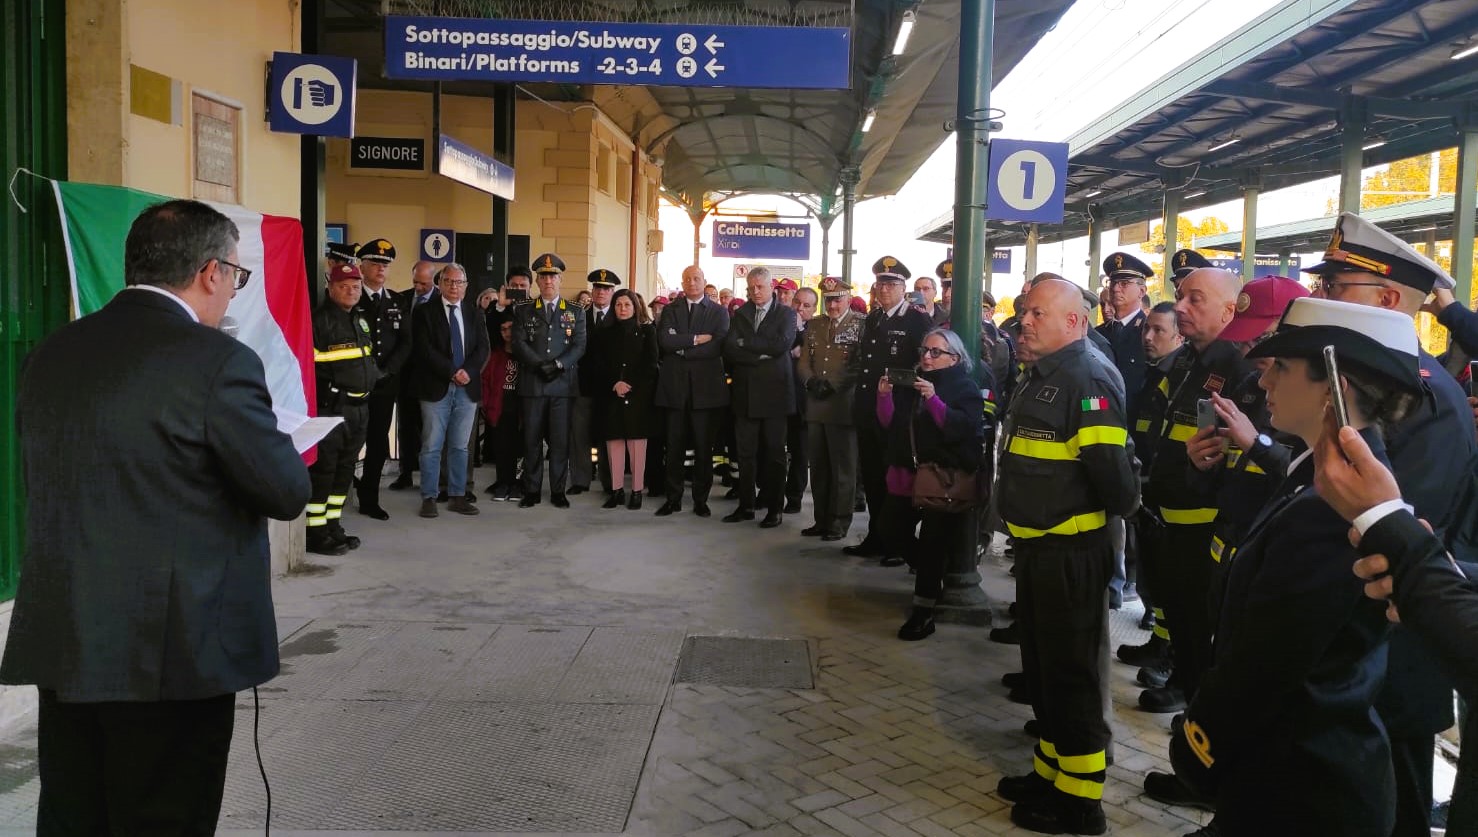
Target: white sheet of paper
[(306, 432)]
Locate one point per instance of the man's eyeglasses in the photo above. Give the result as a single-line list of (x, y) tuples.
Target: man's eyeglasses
[(1330, 283), (456, 283), (934, 353), (239, 274)]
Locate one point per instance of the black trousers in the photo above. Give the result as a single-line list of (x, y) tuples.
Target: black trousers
[(545, 419), (940, 536), (1411, 758), (760, 443), (409, 412), (332, 473), (898, 525), (1062, 606), (872, 470), (506, 443), (1185, 568), (376, 445), (132, 768), (687, 427), (657, 453), (797, 449)]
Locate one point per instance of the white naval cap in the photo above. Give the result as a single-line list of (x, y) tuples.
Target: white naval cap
[(1377, 339), (1359, 245)]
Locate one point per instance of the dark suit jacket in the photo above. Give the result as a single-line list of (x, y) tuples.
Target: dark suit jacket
[(1127, 344), (759, 355), (431, 356), (151, 460), (390, 331), (688, 371), (590, 373)]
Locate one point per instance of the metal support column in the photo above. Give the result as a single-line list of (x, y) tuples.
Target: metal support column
[(1032, 236), (1095, 249), (1285, 261), (849, 178), (1463, 213), (1172, 232), (972, 119), (1352, 152), (1429, 244), (1249, 231), (312, 205), (825, 221)]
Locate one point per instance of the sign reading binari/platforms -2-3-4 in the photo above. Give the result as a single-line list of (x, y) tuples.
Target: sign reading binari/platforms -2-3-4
[(573, 52)]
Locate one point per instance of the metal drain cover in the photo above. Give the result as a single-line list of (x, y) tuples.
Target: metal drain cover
[(745, 661)]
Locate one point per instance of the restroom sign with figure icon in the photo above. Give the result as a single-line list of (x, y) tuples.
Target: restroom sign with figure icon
[(312, 94), (437, 245)]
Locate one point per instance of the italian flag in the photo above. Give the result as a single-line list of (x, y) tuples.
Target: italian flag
[(273, 310), (1093, 405)]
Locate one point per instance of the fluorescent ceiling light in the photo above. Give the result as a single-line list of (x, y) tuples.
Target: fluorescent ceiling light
[(867, 123), (904, 30), (1373, 144), (1423, 229), (1219, 146), (1464, 50), (1094, 193), (1193, 195)]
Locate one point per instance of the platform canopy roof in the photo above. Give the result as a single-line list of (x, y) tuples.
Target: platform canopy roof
[(731, 140), (1265, 107), (1413, 221)]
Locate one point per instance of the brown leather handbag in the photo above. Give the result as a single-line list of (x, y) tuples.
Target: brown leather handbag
[(938, 488)]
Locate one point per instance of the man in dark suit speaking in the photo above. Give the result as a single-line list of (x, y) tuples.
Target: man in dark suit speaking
[(151, 459), (757, 346)]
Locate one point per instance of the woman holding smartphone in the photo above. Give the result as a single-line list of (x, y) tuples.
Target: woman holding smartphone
[(1282, 733), (938, 416)]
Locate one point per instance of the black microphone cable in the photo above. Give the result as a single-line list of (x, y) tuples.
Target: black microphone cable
[(256, 739)]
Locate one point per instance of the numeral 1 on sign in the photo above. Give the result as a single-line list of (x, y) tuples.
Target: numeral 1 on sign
[(1029, 177)]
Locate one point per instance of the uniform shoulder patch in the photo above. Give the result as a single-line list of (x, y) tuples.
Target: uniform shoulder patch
[(1033, 433), (1214, 383), (363, 325), (1047, 395), (1095, 403)]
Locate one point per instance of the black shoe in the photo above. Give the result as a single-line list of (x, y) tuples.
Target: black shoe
[(493, 490), (1011, 610), (919, 626), (859, 507), (633, 501), (1014, 680), (428, 508), (833, 536), (528, 500), (793, 506), (616, 499), (772, 520), (738, 516), (702, 510), (732, 494), (441, 497), (1153, 677), (374, 511), (892, 561), (1032, 728), (578, 489), (1061, 814), (1147, 621), (1152, 654), (1162, 701), (814, 531), (865, 549), (1009, 635), (325, 546), (1023, 788), (559, 501), (1169, 789), (401, 483), (668, 508), (1020, 696), (470, 496)]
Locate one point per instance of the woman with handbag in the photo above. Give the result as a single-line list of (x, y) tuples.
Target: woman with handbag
[(935, 426), (627, 352)]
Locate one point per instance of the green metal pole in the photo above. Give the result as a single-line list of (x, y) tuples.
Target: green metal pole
[(1352, 153), (1249, 232), (972, 119), (1172, 232), (849, 180), (1463, 214)]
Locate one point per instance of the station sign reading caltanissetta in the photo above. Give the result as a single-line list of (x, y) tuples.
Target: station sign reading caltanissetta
[(574, 52)]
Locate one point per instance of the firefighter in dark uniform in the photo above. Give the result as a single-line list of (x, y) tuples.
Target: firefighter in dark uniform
[(1065, 468), (1182, 263), (346, 372), (1178, 565), (1281, 733), (389, 316), (891, 337)]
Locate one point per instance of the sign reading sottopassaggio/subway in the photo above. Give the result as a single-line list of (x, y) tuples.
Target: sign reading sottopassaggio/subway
[(573, 52)]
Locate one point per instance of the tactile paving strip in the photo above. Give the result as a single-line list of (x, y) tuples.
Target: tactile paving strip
[(744, 661)]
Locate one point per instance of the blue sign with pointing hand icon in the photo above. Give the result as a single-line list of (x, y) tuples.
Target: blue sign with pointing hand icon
[(312, 94), (1028, 181)]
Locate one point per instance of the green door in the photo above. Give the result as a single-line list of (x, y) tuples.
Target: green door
[(33, 279)]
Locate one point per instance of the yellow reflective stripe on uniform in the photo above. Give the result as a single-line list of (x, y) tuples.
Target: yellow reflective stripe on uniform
[(1217, 547), (1142, 426), (1235, 455), (1161, 631), (1164, 386), (1081, 788), (317, 508), (317, 521), (1048, 749), (1074, 525), (341, 354), (1045, 770), (1097, 434), (1187, 517), (1090, 763), (337, 499), (1182, 432)]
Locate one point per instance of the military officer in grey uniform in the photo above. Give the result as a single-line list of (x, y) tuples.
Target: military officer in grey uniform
[(548, 342), (827, 347)]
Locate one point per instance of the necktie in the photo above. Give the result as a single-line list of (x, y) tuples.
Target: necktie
[(458, 355), (599, 315)]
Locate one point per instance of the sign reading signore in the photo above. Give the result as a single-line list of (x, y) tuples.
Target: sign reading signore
[(401, 153)]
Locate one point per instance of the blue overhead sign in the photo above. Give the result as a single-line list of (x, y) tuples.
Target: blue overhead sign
[(575, 52), (312, 94), (761, 240), (1000, 261), (1262, 266), (470, 167), (1027, 181)]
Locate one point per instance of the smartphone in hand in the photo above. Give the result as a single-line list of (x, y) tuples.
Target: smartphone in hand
[(1206, 414), (1336, 388), (902, 377), (517, 294)]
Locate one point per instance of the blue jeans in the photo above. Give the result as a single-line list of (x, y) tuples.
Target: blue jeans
[(446, 422), (1117, 536)]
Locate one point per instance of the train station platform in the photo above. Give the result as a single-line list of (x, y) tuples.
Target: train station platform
[(595, 672)]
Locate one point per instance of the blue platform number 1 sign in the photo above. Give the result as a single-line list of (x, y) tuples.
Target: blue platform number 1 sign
[(1027, 181)]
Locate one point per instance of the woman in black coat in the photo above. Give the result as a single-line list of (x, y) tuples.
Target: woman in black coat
[(939, 419), (627, 356)]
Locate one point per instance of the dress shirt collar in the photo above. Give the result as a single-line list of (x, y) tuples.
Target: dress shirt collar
[(155, 289), (897, 310)]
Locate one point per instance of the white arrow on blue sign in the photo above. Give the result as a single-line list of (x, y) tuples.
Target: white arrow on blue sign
[(1028, 181)]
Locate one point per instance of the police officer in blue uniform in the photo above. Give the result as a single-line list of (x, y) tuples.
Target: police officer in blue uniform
[(548, 342), (1123, 325), (1183, 262), (389, 316), (346, 372), (891, 337)]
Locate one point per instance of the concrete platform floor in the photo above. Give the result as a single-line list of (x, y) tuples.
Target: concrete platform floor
[(502, 693)]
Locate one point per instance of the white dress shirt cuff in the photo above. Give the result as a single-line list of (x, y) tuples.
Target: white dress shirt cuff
[(1377, 513)]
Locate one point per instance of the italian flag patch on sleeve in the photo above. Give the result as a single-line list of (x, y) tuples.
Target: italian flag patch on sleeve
[(1093, 405)]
